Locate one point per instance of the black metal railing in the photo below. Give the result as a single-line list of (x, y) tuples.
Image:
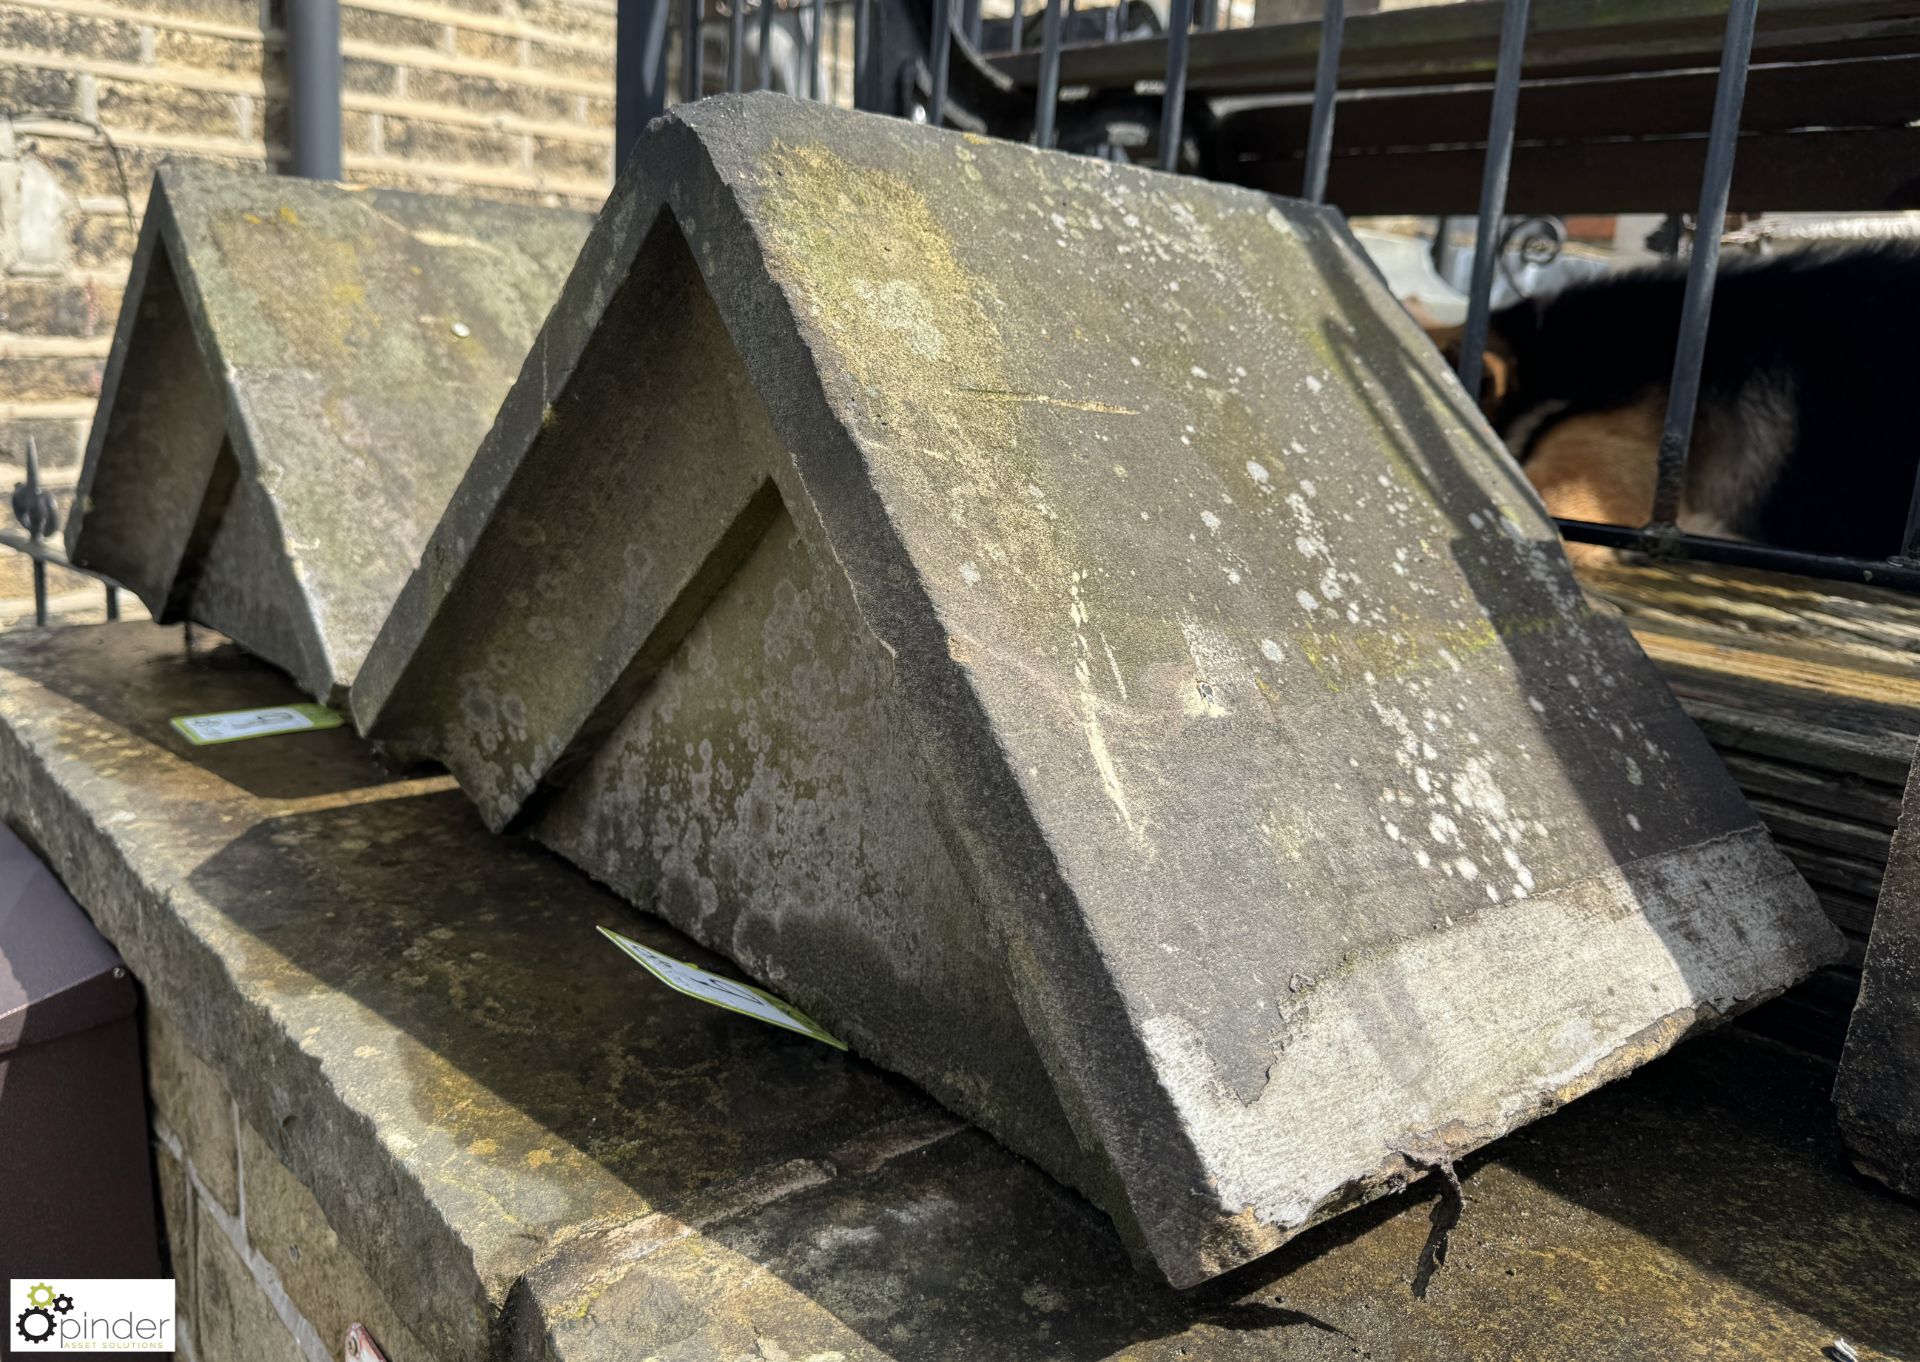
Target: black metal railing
[(36, 511), (949, 42)]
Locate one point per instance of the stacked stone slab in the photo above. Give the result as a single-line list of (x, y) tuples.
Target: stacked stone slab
[(299, 376), (1878, 1088), (1057, 625)]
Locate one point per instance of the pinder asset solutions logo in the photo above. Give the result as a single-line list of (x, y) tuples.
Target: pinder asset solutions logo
[(92, 1316)]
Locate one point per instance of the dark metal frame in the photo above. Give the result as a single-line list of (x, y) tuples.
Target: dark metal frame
[(952, 47)]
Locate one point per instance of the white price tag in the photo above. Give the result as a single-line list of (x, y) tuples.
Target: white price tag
[(203, 730), (708, 987)]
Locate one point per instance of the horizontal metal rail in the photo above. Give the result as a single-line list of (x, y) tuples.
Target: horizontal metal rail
[(1457, 44), (1659, 544)]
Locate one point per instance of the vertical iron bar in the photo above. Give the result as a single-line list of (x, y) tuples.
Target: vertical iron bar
[(113, 602), (1173, 102), (1683, 395), (690, 52), (862, 51), (35, 527), (1014, 25), (816, 67), (1493, 190), (639, 71), (313, 88), (1049, 96), (942, 52), (764, 74), (736, 46), (970, 20), (1208, 15), (1326, 88), (839, 50)]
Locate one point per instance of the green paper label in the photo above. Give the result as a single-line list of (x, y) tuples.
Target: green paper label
[(204, 730), (745, 999)]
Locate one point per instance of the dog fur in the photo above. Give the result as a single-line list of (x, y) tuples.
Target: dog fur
[(1808, 428)]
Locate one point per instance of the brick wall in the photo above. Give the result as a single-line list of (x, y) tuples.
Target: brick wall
[(508, 98), (260, 1275)]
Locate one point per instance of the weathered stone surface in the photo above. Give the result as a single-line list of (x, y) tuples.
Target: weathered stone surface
[(1878, 1090), (296, 384), (193, 1106), (1061, 627), (324, 1282), (536, 1153), (233, 1320), (177, 1217)]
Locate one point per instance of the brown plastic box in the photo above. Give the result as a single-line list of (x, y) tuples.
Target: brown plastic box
[(76, 1172)]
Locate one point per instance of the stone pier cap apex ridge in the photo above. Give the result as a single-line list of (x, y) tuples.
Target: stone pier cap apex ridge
[(1061, 626), (299, 376)]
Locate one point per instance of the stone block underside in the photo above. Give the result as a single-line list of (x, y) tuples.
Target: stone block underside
[(299, 376), (1061, 627), (1878, 1088)]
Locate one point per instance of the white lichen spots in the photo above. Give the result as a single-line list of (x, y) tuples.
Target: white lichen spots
[(1103, 763), (1633, 821), (1210, 520), (1258, 472), (898, 305), (1392, 829), (1114, 663), (1306, 485), (1198, 372), (1533, 703), (1442, 829), (1467, 868), (970, 574), (1473, 519), (1119, 471), (1314, 385), (1271, 650), (1233, 578), (1044, 1299), (1308, 601), (1135, 360), (1634, 777)]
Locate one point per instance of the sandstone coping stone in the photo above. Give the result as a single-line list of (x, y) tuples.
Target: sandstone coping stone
[(536, 1153), (299, 375), (1062, 626), (1878, 1089)]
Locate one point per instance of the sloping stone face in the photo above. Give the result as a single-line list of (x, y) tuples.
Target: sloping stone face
[(1878, 1088), (1061, 627), (295, 389)]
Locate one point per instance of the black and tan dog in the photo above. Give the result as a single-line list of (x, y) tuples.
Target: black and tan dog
[(1808, 432)]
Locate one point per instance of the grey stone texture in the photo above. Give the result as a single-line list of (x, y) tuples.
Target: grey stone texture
[(297, 381), (1878, 1088), (1061, 627), (322, 1280), (233, 1320), (534, 1152), (191, 1103)]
